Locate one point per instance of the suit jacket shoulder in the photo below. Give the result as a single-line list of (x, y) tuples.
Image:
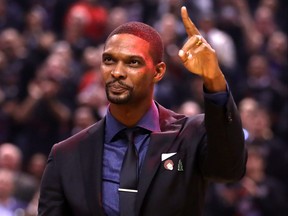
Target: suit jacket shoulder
[(74, 141)]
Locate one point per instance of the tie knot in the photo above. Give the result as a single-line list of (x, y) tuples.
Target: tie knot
[(130, 133)]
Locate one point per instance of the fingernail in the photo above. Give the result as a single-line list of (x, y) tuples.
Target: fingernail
[(181, 53)]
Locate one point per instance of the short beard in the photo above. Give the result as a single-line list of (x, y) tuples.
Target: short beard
[(119, 99)]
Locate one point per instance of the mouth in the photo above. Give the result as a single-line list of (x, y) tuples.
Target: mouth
[(117, 87)]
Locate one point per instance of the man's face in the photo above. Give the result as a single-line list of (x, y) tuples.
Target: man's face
[(128, 69)]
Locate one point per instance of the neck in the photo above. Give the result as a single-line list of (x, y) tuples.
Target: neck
[(129, 115)]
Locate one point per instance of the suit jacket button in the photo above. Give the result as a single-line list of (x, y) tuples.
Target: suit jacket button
[(229, 117)]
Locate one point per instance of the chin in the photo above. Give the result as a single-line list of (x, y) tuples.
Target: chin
[(118, 100)]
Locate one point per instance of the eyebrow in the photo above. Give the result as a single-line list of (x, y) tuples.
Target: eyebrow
[(104, 54)]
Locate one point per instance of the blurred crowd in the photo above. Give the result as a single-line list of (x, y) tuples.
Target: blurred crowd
[(50, 87)]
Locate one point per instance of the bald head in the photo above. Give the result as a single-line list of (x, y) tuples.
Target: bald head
[(10, 156)]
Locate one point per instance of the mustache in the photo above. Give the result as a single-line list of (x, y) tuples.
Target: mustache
[(120, 82)]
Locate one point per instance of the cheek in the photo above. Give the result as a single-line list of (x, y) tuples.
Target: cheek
[(104, 74), (143, 80)]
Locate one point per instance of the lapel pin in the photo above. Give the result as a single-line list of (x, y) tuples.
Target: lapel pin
[(168, 164), (180, 166)]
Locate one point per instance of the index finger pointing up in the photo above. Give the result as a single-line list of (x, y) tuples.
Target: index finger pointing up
[(189, 25)]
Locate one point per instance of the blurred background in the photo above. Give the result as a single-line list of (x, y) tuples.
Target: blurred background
[(50, 87)]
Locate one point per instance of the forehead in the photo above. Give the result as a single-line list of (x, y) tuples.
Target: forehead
[(127, 44)]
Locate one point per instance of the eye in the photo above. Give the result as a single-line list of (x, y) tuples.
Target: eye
[(135, 63), (107, 60)]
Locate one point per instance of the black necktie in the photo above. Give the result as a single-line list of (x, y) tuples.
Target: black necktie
[(129, 177)]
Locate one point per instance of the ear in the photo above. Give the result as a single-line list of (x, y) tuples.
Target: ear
[(160, 70)]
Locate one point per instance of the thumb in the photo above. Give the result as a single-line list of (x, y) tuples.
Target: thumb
[(184, 56)]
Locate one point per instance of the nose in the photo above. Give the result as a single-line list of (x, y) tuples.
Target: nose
[(119, 72)]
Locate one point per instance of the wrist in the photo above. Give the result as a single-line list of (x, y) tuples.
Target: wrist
[(215, 84)]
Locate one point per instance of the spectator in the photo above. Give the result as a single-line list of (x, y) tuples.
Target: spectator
[(35, 26), (220, 40), (7, 199), (262, 86), (277, 56), (11, 159), (90, 17), (84, 116), (116, 16), (190, 108), (18, 72), (256, 29), (262, 193), (36, 165), (170, 90), (257, 194), (11, 15), (43, 117), (91, 91), (257, 123)]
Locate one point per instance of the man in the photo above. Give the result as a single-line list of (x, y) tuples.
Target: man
[(177, 155)]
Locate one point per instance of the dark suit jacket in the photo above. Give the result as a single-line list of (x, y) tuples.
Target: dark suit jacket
[(207, 148)]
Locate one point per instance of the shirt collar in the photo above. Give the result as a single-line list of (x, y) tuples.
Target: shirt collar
[(150, 122)]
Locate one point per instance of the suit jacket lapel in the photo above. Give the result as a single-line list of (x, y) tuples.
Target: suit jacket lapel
[(160, 142), (91, 152)]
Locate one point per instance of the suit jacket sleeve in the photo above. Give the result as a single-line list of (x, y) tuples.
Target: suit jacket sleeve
[(51, 201), (224, 157)]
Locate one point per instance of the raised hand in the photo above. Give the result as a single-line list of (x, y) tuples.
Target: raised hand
[(200, 58)]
